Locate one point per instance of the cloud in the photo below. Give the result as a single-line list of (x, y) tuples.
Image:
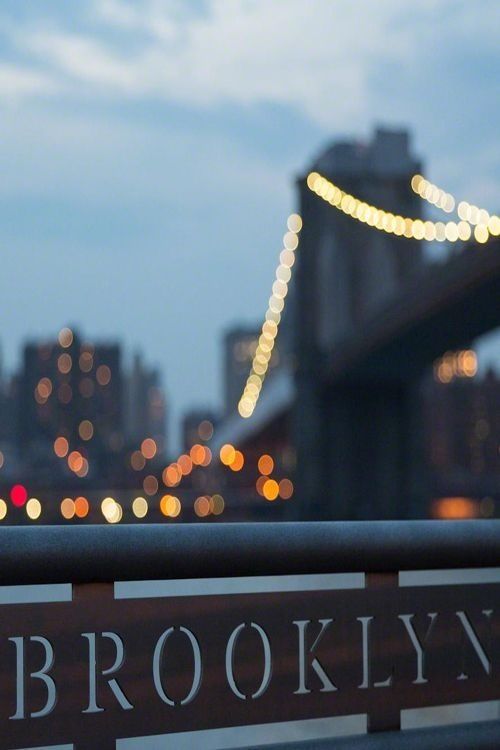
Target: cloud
[(18, 82), (317, 57)]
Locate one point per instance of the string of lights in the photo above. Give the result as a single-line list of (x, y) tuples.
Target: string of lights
[(400, 226), (265, 346), (479, 217)]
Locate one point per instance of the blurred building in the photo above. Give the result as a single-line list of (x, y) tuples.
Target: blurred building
[(145, 406), (70, 389), (462, 425), (348, 270), (71, 412)]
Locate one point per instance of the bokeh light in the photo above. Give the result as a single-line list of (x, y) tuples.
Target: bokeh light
[(140, 507), (170, 506), (33, 508), (227, 454), (285, 489), (202, 506), (270, 489), (18, 495), (67, 508), (103, 375), (65, 337), (86, 429), (61, 447), (137, 461), (82, 507), (150, 485), (149, 448), (265, 464), (217, 504), (238, 461), (205, 429)]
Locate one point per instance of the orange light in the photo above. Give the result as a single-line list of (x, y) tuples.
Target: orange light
[(454, 507), (286, 489), (81, 507), (75, 461), (170, 506), (238, 461), (148, 448), (265, 464), (197, 454), (171, 475), (270, 489), (61, 447), (185, 464), (227, 454)]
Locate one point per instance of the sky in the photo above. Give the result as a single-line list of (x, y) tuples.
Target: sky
[(148, 152)]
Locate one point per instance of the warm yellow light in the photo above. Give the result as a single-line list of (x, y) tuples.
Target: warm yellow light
[(111, 510), (227, 454), (270, 489), (294, 223), (3, 509), (290, 241), (170, 506), (405, 226), (33, 508), (481, 233), (140, 507)]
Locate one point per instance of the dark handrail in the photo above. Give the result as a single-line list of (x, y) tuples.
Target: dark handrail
[(52, 554), (475, 736)]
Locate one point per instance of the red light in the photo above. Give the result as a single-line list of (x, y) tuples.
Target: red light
[(18, 495)]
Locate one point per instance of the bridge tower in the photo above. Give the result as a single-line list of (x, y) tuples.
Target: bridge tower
[(356, 438)]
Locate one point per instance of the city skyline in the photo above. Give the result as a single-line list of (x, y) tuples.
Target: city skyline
[(111, 133)]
